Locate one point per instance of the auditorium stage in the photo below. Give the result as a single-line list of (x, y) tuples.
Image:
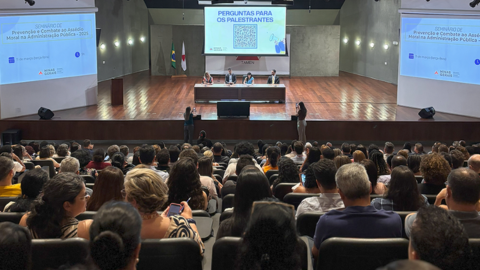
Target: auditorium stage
[(348, 107)]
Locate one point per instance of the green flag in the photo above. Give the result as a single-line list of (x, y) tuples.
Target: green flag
[(172, 57)]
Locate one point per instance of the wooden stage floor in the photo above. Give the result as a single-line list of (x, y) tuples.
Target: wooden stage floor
[(344, 108), (348, 97)]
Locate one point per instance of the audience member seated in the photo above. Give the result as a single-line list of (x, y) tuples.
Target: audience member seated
[(21, 152), (329, 198), (461, 195), (439, 238), (273, 156), (341, 160), (15, 247), (7, 171), (418, 150), (457, 159), (115, 235), (205, 169), (397, 160), (409, 265), (328, 153), (474, 163), (242, 148), (229, 186), (108, 187), (135, 150), (217, 154), (359, 219), (402, 194), (53, 213), (435, 170), (145, 190), (31, 185), (84, 159), (98, 160), (413, 163), (287, 172), (377, 158), (45, 154), (205, 180), (252, 185), (443, 148), (112, 149), (362, 148), (118, 161), (125, 151), (184, 183), (310, 185), (358, 156), (87, 145), (72, 165), (202, 139), (262, 248), (388, 150), (346, 150), (62, 151), (377, 187), (298, 155), (163, 159), (148, 157), (407, 146), (314, 155), (404, 153)]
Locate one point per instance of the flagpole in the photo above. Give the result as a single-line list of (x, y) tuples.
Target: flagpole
[(174, 62)]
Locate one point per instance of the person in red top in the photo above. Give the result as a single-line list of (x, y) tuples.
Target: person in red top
[(98, 160)]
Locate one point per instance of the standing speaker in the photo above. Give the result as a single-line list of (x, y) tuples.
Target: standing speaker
[(427, 112), (45, 113)]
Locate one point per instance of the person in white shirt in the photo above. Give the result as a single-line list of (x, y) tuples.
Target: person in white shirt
[(299, 157), (242, 148), (329, 198), (147, 157)]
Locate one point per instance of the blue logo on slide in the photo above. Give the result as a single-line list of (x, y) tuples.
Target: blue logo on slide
[(77, 54), (11, 60), (411, 56), (477, 62)]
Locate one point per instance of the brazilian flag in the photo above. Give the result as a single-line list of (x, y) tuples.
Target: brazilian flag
[(172, 57)]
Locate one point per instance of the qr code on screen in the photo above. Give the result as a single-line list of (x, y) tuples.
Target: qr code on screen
[(244, 36)]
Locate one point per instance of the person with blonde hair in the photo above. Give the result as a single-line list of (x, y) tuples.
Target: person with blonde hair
[(147, 192), (207, 79)]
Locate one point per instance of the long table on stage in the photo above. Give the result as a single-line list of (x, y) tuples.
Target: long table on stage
[(247, 92)]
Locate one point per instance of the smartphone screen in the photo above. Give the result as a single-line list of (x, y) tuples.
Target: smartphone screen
[(174, 209), (303, 179)]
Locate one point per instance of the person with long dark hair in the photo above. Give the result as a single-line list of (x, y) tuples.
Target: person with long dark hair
[(15, 247), (53, 213), (108, 187), (379, 161), (287, 172), (273, 156), (262, 247), (118, 161), (301, 122), (377, 187), (252, 185), (115, 235), (32, 184), (402, 194), (413, 163), (188, 127), (313, 156)]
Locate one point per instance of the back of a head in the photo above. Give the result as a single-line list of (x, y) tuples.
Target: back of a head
[(371, 171), (409, 265), (310, 179), (352, 180), (74, 147), (474, 163), (325, 171), (163, 157), (328, 153), (314, 155), (434, 168), (465, 186), (379, 161), (252, 185), (112, 149), (15, 247), (413, 163), (389, 148), (205, 166), (118, 160), (45, 152), (62, 150), (358, 156), (398, 160), (196, 148), (242, 162), (287, 171), (69, 164), (115, 236), (273, 154), (184, 182), (298, 147), (457, 159), (244, 148), (98, 155), (419, 147), (407, 146), (189, 153), (6, 166), (442, 148), (83, 156), (18, 150), (341, 160), (372, 147), (439, 238), (174, 153), (403, 190), (217, 148), (48, 210), (345, 148), (108, 186), (124, 150), (86, 143), (262, 248), (147, 189), (33, 181), (147, 154)]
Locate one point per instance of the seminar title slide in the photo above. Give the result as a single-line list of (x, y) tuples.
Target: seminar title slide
[(248, 16)]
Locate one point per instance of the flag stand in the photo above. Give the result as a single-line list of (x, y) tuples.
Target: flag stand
[(172, 57)]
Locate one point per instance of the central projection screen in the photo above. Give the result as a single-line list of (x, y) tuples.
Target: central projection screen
[(238, 31)]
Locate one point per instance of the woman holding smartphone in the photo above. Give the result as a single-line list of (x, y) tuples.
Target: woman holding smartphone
[(301, 122)]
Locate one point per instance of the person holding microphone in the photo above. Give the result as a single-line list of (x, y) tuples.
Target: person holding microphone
[(301, 122)]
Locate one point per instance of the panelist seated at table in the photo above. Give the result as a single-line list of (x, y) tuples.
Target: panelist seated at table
[(273, 79), (230, 78), (207, 79), (249, 79)]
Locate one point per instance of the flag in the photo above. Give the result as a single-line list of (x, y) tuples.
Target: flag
[(184, 61), (172, 57)]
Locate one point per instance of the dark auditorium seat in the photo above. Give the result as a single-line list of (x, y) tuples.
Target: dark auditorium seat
[(475, 245), (283, 189), (374, 196), (296, 198), (12, 217), (224, 165), (4, 201), (227, 202), (89, 185), (58, 159), (88, 179), (219, 172), (226, 215), (360, 254), (419, 178), (233, 178), (29, 165), (431, 198), (53, 253), (225, 251), (86, 215), (170, 253), (272, 178), (270, 173), (218, 177), (46, 163)]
